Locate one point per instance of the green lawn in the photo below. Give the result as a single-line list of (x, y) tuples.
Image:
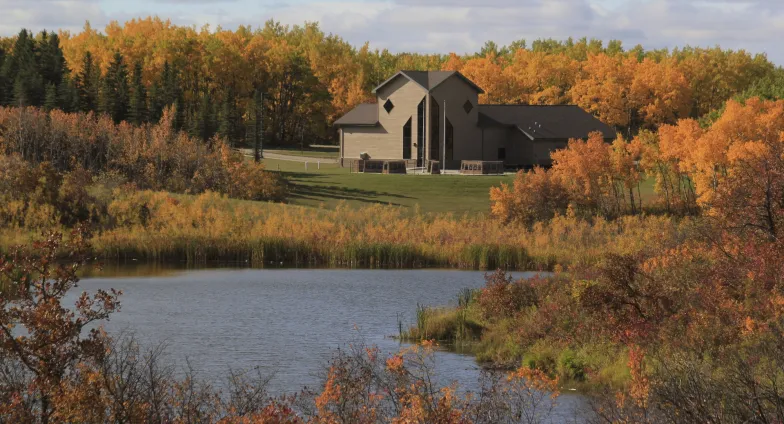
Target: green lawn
[(432, 193), (314, 152), (459, 194)]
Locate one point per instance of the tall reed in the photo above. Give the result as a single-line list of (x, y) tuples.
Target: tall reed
[(157, 226)]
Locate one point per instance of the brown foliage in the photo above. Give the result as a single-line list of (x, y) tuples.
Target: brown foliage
[(150, 156)]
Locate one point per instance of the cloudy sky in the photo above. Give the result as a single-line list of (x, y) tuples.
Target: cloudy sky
[(447, 25)]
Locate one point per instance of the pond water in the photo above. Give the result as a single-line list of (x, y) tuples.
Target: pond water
[(288, 322)]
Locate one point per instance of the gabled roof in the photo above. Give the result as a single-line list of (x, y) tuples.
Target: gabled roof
[(365, 114), (544, 122), (430, 79)]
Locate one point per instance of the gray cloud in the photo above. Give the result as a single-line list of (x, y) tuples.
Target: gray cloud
[(455, 25), (49, 14)]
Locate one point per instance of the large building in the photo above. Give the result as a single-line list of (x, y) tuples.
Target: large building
[(421, 116)]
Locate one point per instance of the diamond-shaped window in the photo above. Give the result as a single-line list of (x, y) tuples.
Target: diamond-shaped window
[(468, 107), (388, 106)]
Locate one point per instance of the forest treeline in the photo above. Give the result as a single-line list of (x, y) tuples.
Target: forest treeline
[(287, 85)]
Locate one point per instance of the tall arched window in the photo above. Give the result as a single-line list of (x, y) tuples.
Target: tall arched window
[(450, 140), (435, 140), (407, 140), (421, 133)]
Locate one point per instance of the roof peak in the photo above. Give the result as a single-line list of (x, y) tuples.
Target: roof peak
[(527, 105), (429, 80)]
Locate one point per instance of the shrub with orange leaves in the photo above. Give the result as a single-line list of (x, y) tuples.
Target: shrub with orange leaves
[(535, 196)]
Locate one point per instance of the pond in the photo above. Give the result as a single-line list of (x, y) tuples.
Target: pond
[(287, 322)]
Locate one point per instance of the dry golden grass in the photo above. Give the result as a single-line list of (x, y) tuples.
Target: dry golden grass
[(158, 226)]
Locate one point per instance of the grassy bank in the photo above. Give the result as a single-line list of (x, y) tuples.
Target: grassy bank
[(331, 186), (159, 227), (495, 343), (328, 152)]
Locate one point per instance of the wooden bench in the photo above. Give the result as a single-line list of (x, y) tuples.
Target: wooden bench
[(394, 167), (378, 166), (480, 167)]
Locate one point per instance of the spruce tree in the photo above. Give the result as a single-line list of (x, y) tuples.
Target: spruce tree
[(67, 94), (254, 126), (165, 92), (114, 90), (202, 125), (50, 102), (229, 117), (51, 59), (2, 77), (137, 112), (23, 83), (87, 84)]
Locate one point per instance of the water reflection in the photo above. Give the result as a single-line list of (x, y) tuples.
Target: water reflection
[(283, 322)]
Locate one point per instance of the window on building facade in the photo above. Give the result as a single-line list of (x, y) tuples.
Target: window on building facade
[(468, 107), (450, 140), (407, 140)]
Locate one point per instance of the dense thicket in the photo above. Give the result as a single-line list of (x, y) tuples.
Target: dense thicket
[(307, 79), (688, 330), (48, 160)]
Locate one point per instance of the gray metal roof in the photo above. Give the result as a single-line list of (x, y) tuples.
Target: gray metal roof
[(544, 122), (430, 79), (365, 114)]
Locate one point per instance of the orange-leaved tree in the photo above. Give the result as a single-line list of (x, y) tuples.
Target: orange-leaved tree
[(41, 341), (534, 196)]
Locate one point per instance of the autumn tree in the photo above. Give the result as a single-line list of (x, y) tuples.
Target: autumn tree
[(487, 72), (540, 78), (585, 169), (38, 334), (604, 89), (534, 196), (739, 167), (660, 93)]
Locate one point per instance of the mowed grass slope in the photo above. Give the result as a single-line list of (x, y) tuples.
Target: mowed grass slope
[(330, 185), (314, 152)]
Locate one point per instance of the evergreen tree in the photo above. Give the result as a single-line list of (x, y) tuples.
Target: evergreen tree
[(50, 102), (21, 74), (2, 77), (202, 124), (180, 111), (50, 59), (228, 124), (164, 93), (254, 125), (87, 84), (137, 112), (67, 94), (114, 91)]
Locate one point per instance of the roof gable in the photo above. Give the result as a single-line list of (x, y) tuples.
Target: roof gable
[(429, 79)]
